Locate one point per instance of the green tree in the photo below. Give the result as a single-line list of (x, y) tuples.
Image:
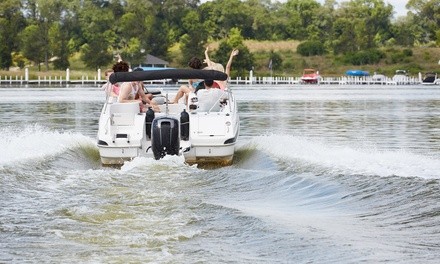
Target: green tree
[(344, 37), (361, 24), (427, 15), (96, 25), (244, 61), (311, 48), (58, 47), (32, 44), (167, 28), (193, 41), (11, 23), (133, 52), (225, 15), (277, 60), (404, 31), (325, 19), (262, 19), (301, 14)]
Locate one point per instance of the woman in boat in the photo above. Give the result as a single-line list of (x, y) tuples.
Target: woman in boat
[(218, 67), (110, 89), (133, 91)]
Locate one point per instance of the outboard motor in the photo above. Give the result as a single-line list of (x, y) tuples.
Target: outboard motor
[(149, 117), (165, 138), (184, 125)]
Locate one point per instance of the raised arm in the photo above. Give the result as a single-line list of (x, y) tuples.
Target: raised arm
[(207, 60), (118, 56), (234, 53)]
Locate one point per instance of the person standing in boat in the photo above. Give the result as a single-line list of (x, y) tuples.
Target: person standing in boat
[(194, 63), (218, 67)]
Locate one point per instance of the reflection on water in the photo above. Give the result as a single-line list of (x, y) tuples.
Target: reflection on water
[(388, 125)]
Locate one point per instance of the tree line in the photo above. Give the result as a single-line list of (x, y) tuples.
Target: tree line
[(39, 31)]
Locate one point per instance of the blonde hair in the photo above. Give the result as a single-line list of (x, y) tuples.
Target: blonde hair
[(216, 67)]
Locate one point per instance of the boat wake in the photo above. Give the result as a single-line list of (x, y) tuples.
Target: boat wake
[(304, 154), (329, 192), (35, 144)]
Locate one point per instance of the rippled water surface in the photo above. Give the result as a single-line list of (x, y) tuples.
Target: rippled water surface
[(322, 174)]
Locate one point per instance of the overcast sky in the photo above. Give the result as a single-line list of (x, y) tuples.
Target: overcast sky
[(399, 6)]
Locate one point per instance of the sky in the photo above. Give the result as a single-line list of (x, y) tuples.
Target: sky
[(399, 6)]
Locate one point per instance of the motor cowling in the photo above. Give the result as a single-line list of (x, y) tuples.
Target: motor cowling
[(165, 138), (184, 125), (149, 117)]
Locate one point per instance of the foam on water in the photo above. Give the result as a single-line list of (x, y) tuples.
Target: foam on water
[(169, 162), (348, 159), (34, 142)]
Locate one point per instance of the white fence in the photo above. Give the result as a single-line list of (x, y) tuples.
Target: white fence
[(96, 79)]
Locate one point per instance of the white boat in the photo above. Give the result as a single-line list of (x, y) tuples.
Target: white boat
[(378, 78), (204, 129), (430, 78), (401, 77)]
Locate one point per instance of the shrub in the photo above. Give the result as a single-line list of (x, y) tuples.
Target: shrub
[(407, 52), (372, 56), (288, 65), (277, 60), (311, 48)]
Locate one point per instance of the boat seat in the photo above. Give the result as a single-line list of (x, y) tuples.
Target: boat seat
[(172, 108), (122, 114), (209, 99)]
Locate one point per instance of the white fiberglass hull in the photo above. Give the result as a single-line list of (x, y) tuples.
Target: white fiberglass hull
[(211, 135)]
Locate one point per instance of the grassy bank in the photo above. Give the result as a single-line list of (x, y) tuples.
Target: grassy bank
[(423, 59)]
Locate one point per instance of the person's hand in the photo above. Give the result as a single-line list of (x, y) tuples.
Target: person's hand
[(234, 52)]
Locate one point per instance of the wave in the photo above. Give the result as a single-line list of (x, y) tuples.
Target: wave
[(322, 157), (36, 143)]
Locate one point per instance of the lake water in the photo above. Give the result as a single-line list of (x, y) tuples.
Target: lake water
[(322, 174)]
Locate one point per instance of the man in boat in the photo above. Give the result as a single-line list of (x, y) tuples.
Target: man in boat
[(210, 96)]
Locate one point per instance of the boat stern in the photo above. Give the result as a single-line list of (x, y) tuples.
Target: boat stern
[(213, 137)]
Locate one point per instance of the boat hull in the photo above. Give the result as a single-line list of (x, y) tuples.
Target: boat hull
[(357, 73), (310, 76), (312, 80), (117, 155), (210, 154), (209, 138)]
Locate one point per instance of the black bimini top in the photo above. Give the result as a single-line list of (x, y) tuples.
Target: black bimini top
[(167, 74)]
